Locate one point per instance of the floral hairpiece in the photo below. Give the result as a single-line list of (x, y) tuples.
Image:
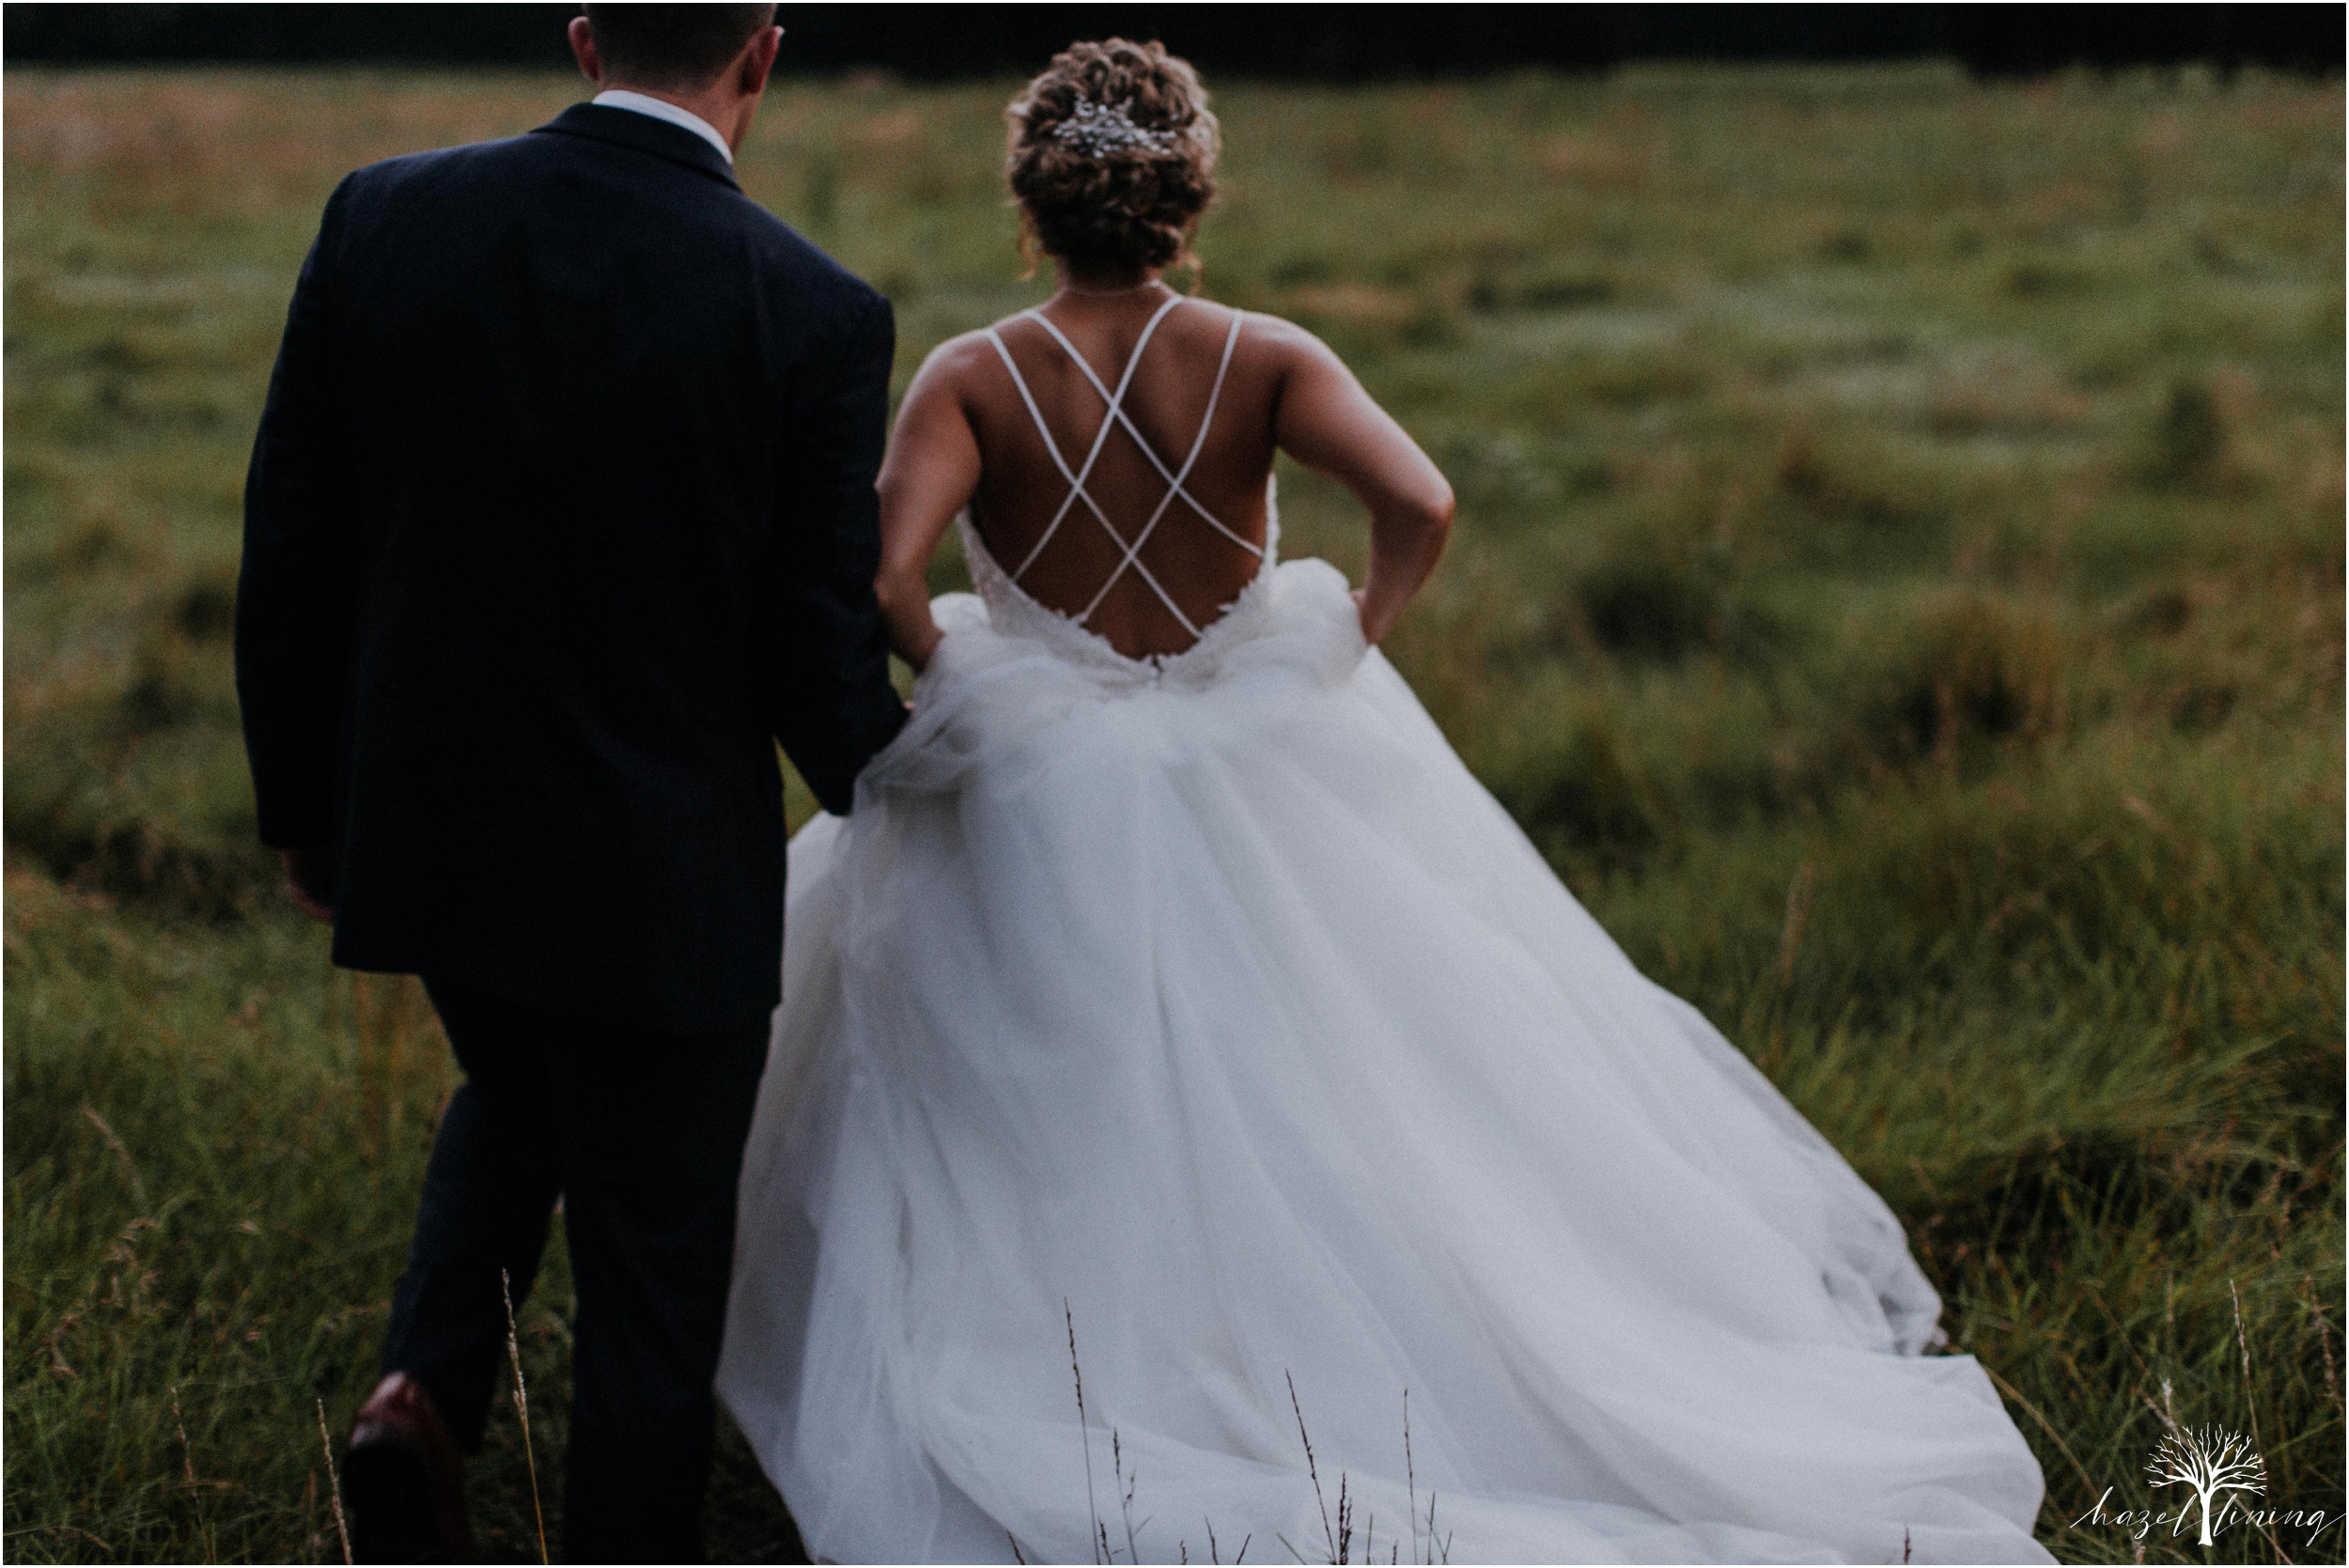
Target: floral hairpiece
[(1101, 128)]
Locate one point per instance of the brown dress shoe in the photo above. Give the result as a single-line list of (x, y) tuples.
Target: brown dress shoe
[(404, 1480)]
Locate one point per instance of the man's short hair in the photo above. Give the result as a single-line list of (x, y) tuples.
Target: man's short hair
[(680, 48)]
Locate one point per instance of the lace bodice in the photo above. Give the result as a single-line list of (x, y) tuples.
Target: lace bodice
[(1012, 610)]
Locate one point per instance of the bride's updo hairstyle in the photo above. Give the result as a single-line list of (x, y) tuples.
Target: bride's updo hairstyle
[(1113, 156)]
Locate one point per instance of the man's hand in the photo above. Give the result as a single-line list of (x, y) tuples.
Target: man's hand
[(310, 877)]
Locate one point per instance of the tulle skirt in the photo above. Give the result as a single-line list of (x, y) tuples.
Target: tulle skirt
[(1209, 1012)]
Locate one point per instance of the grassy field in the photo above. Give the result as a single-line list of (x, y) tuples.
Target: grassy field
[(1899, 584)]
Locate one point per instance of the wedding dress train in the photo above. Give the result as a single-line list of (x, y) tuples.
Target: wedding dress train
[(1208, 1005)]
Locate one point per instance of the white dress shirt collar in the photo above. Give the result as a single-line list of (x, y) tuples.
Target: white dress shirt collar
[(643, 104)]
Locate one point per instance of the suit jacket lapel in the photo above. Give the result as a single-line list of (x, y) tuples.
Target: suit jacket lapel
[(602, 122)]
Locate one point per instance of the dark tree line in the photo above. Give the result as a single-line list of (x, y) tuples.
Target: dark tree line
[(1335, 42)]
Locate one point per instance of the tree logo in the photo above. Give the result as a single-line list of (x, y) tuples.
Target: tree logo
[(2213, 1462), (2219, 1469)]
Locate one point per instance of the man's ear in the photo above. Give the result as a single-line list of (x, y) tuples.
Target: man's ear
[(757, 61), (582, 36)]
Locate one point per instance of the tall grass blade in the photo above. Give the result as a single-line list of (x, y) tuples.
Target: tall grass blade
[(1084, 1429), (521, 1408), (187, 1459), (333, 1484), (1305, 1438)]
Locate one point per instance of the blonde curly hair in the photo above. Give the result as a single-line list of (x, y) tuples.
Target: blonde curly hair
[(1122, 208)]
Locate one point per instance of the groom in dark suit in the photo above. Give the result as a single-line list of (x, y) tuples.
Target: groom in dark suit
[(560, 516)]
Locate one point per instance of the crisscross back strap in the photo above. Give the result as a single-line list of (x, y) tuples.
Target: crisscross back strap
[(1076, 480), (1129, 552), (1117, 413), (1175, 483)]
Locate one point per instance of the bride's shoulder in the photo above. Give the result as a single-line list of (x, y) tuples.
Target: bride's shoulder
[(1281, 344), (961, 351), (1265, 327), (954, 365), (1273, 334)]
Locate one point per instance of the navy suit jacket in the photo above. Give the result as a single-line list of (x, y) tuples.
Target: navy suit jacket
[(560, 517)]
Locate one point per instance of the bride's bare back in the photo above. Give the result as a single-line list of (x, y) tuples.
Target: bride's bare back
[(1002, 421), (1161, 518)]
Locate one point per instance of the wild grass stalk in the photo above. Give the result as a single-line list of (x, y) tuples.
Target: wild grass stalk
[(1305, 1438), (1085, 1428), (2250, 1397), (522, 1411), (1411, 1476), (122, 1152), (333, 1484), (187, 1461), (1126, 1484), (2324, 1338)]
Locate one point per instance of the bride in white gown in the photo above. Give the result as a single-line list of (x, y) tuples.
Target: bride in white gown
[(1172, 982)]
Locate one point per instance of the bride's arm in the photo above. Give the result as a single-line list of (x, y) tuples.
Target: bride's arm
[(1325, 420), (931, 469)]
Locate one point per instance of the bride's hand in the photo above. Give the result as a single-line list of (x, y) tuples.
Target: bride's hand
[(920, 641), (1378, 616)]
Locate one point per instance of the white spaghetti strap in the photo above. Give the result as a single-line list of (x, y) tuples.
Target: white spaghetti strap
[(1049, 445), (1117, 411), (1174, 483), (1076, 480), (1129, 552)]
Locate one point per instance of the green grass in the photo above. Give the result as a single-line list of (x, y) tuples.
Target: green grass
[(1898, 584)]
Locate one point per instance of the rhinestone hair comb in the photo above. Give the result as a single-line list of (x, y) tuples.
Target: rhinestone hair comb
[(1100, 130)]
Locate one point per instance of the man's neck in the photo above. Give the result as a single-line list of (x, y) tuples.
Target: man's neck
[(714, 105), (666, 108)]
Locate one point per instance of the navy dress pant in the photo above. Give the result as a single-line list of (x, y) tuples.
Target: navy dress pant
[(642, 1135)]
